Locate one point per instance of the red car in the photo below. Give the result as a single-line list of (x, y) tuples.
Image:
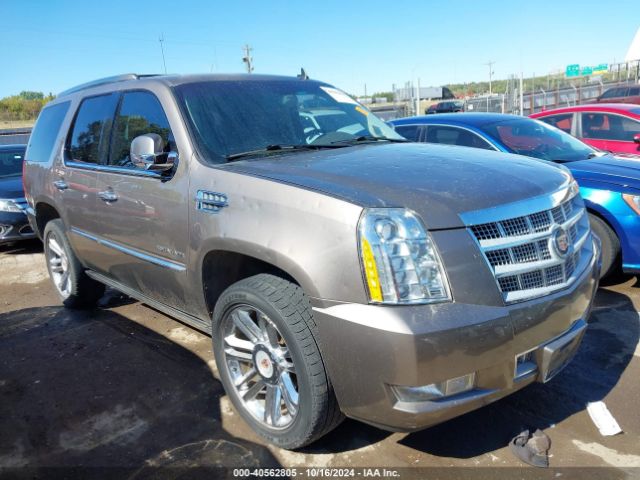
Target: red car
[(612, 127)]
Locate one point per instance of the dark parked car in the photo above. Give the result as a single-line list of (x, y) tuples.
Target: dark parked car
[(609, 185), (13, 220), (624, 94), (449, 106)]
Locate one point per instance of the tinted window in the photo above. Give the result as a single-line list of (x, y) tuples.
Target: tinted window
[(455, 136), (634, 91), (230, 117), (614, 92), (11, 163), (563, 122), (139, 113), (45, 132), (537, 139), (605, 126), (89, 139), (410, 132)]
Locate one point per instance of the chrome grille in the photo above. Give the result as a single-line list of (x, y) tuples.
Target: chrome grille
[(522, 253)]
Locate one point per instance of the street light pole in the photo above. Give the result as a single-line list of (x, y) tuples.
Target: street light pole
[(490, 64)]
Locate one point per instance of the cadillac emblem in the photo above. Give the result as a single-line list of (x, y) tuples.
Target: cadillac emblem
[(561, 242)]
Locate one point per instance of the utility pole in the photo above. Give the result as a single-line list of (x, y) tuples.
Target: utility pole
[(248, 59), (521, 94), (161, 40), (490, 64)]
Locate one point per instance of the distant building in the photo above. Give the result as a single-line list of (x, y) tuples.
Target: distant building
[(634, 49)]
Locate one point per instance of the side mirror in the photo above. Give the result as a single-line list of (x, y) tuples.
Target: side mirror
[(636, 138), (146, 153)]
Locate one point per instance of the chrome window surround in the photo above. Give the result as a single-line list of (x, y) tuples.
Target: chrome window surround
[(136, 172), (517, 243)]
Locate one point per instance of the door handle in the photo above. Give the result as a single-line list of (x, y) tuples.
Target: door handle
[(60, 185), (108, 196)]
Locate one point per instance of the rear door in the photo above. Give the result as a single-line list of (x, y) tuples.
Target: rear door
[(85, 151), (143, 215)]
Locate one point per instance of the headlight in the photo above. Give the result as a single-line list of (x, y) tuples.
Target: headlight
[(633, 201), (9, 206), (399, 259)]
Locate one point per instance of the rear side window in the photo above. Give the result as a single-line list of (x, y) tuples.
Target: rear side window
[(634, 91), (614, 92), (45, 132), (563, 121), (89, 139), (139, 113), (410, 132), (456, 136)]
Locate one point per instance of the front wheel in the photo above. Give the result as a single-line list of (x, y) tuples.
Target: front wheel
[(270, 363), (610, 245)]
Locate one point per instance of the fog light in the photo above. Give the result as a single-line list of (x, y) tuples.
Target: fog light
[(447, 388), (525, 364)]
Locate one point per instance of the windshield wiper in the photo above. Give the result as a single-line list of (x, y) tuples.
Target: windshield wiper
[(369, 138), (277, 148)]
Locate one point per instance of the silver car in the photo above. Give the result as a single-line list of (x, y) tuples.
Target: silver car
[(339, 269)]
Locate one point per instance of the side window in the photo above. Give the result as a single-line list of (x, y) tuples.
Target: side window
[(139, 113), (89, 139), (563, 122), (45, 132), (455, 136), (410, 132), (598, 126), (11, 163), (634, 91), (613, 92), (629, 128)]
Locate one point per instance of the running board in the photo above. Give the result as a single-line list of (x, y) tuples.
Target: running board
[(170, 311)]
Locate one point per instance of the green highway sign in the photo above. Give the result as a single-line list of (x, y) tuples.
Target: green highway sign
[(573, 70)]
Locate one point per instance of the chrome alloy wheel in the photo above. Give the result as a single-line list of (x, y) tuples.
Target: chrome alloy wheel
[(260, 366), (58, 265)]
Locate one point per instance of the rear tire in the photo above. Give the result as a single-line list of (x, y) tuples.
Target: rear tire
[(74, 287), (267, 354), (610, 246)]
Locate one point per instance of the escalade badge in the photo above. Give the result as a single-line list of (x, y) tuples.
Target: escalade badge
[(561, 242)]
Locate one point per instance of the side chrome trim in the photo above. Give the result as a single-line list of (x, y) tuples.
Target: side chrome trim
[(161, 262), (520, 208), (134, 172)]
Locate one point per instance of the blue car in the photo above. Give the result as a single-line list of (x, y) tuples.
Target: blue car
[(610, 185)]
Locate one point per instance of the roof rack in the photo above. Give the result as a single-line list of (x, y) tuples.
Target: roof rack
[(104, 81)]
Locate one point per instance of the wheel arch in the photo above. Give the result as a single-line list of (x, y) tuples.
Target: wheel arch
[(44, 212), (221, 268)]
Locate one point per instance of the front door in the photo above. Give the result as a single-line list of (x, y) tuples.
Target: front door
[(143, 215), (610, 132)]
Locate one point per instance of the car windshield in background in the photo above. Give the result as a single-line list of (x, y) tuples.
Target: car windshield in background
[(11, 163), (537, 139), (228, 118)]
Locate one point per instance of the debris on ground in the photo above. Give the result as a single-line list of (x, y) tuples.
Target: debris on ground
[(532, 449), (602, 418)]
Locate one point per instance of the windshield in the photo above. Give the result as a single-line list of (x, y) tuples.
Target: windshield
[(231, 117), (11, 163), (532, 138)]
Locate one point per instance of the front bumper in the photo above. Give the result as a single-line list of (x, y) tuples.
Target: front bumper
[(368, 348), (14, 226)]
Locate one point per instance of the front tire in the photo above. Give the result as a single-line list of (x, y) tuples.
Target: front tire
[(270, 363), (610, 246), (73, 286)]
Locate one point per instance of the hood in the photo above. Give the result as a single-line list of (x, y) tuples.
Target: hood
[(11, 187), (623, 171), (438, 182)]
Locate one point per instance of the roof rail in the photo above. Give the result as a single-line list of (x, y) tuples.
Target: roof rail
[(104, 81)]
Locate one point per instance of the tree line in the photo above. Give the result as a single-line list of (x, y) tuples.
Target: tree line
[(24, 106)]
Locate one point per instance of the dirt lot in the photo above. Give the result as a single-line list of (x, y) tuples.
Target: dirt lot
[(126, 386)]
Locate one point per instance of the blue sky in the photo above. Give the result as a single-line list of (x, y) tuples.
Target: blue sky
[(48, 45)]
